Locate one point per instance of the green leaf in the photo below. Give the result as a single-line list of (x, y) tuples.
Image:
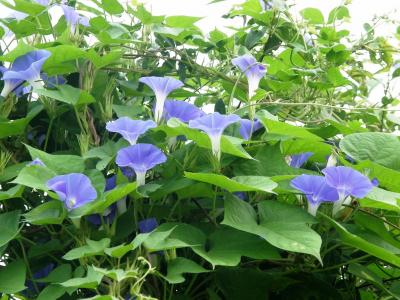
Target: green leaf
[(282, 225), (336, 78), (9, 222), (62, 59), (92, 248), (105, 153), (12, 277), (226, 246), (52, 212), (19, 50), (61, 164), (91, 281), (181, 21), (117, 274), (230, 145), (67, 94), (27, 7), (281, 128), (17, 127), (381, 199), (35, 177), (312, 15), (236, 184), (377, 147), (357, 242), (14, 192), (180, 265), (338, 13), (113, 7)]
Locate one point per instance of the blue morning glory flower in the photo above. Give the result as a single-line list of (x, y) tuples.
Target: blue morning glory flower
[(297, 160), (182, 110), (253, 70), (140, 158), (147, 225), (74, 189), (214, 125), (130, 129), (25, 68), (248, 127), (316, 191), (73, 18), (348, 182), (42, 2), (375, 181), (36, 162), (162, 87), (42, 273)]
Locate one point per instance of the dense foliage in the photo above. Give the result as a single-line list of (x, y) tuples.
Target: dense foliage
[(268, 176)]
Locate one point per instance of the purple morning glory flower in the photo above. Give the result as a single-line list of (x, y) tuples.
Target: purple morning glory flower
[(182, 110), (73, 18), (140, 158), (130, 129), (214, 125), (297, 160), (253, 70), (147, 225), (110, 212), (248, 127), (25, 68), (53, 81), (36, 162), (162, 87), (348, 182), (75, 189), (316, 191)]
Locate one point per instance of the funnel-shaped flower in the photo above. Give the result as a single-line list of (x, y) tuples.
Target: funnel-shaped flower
[(147, 225), (24, 68), (253, 70), (214, 125), (130, 129), (140, 158), (348, 182), (316, 191), (162, 87), (248, 127), (73, 18), (181, 110), (297, 160), (75, 189)]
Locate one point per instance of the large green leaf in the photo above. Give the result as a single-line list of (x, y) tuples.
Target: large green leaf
[(282, 225), (381, 199), (35, 177), (312, 15), (14, 192), (377, 147), (9, 222), (230, 145), (67, 94), (226, 246), (180, 265), (285, 129), (17, 127), (355, 241), (90, 281), (112, 7), (52, 212), (236, 184), (60, 164), (12, 277), (91, 248)]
